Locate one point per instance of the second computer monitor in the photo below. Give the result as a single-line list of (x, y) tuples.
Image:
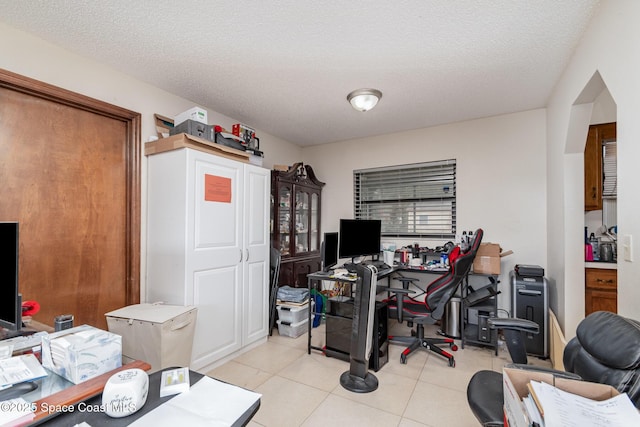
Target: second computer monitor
[(329, 250), (359, 237)]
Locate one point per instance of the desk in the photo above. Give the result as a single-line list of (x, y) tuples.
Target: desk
[(320, 276), (97, 419), (470, 332)]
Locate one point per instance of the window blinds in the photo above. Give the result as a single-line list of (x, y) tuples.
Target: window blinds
[(417, 200), (610, 169)]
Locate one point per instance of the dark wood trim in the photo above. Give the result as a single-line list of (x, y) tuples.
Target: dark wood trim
[(132, 120)]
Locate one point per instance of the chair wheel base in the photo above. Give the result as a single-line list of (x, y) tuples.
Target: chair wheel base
[(357, 384)]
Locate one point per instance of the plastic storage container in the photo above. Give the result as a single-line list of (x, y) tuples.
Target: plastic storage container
[(293, 330), (159, 334), (293, 313)]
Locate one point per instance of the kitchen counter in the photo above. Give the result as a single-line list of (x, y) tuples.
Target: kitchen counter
[(601, 264)]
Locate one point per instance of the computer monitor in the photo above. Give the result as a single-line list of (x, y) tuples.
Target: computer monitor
[(10, 300), (359, 237), (329, 250)]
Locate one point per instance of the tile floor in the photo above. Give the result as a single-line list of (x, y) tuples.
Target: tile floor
[(299, 389)]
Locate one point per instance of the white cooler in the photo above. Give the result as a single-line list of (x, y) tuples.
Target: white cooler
[(159, 334)]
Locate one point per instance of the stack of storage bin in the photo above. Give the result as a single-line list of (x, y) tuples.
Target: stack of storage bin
[(293, 320)]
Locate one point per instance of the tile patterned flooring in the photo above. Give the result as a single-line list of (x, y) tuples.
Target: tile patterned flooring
[(299, 389)]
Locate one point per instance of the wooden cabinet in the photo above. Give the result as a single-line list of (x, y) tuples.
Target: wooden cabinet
[(295, 222), (601, 290), (208, 246), (593, 175)]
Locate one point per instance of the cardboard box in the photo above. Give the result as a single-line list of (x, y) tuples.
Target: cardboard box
[(487, 260), (515, 382), (81, 353), (196, 113)]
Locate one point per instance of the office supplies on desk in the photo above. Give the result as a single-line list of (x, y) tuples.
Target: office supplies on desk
[(81, 353), (208, 402), (18, 369), (18, 412), (125, 392), (24, 343)]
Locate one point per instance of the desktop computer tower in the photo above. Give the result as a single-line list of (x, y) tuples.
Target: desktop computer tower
[(338, 332), (530, 300)]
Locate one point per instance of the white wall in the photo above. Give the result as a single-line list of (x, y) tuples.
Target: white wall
[(501, 178), (609, 48), (30, 56)]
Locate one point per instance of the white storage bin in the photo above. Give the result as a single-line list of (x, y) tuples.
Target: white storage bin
[(293, 330), (293, 313), (196, 113), (159, 334)]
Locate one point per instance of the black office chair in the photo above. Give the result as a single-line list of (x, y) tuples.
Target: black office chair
[(429, 309), (274, 261), (606, 350)]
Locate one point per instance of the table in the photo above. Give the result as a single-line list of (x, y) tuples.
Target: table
[(320, 276), (98, 418), (468, 333)]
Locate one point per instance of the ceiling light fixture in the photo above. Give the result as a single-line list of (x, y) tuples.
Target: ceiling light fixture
[(364, 99)]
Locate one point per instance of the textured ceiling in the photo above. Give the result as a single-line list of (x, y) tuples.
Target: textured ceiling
[(286, 67)]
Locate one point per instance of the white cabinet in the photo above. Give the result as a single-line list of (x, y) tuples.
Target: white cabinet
[(208, 246)]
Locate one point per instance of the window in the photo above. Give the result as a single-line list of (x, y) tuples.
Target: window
[(417, 200)]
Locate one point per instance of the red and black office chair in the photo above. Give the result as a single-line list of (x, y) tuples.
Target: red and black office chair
[(429, 308)]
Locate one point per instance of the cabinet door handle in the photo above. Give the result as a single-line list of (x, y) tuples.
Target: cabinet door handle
[(604, 281), (247, 259), (240, 256)]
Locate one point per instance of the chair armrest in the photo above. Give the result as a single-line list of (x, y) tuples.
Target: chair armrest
[(400, 293), (406, 281), (513, 324)]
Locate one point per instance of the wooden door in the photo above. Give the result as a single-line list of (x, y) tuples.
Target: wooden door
[(69, 168)]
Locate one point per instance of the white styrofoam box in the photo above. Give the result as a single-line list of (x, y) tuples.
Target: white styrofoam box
[(159, 334), (81, 353), (196, 113), (293, 330)]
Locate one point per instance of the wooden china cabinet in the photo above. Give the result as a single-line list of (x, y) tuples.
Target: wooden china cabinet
[(295, 222)]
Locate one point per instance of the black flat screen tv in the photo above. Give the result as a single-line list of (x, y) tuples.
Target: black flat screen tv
[(10, 299), (329, 250), (359, 237)]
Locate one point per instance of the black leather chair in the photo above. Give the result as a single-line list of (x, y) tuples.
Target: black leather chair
[(606, 350), (430, 307)]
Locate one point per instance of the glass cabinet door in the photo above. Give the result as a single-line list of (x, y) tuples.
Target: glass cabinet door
[(315, 222), (284, 220), (302, 222)]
